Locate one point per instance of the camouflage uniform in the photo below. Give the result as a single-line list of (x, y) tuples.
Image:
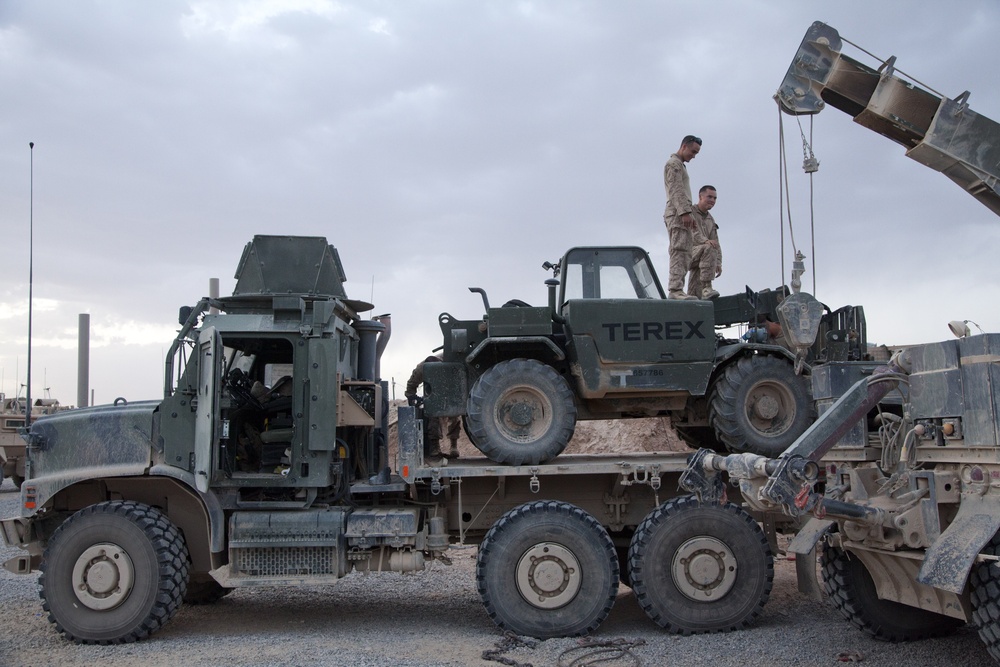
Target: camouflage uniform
[(433, 427), (675, 180), (706, 260)]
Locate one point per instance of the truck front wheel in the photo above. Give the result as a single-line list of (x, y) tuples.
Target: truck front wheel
[(521, 412), (113, 572), (700, 568), (759, 405), (985, 599), (547, 569), (852, 591)]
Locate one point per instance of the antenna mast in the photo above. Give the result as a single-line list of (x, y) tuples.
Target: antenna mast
[(31, 256)]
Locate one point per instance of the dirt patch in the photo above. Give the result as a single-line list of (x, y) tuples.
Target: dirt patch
[(599, 436)]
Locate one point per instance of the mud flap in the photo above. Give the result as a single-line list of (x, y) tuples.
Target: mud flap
[(804, 546), (805, 575), (948, 561)]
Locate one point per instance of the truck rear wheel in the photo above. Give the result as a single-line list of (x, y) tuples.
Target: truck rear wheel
[(700, 568), (852, 591), (113, 572), (547, 569), (759, 405), (521, 412)]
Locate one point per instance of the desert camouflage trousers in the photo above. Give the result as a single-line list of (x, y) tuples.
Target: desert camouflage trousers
[(703, 269), (680, 255)]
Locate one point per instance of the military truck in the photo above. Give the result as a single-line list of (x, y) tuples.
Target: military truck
[(609, 345), (904, 506), (12, 414), (266, 463)]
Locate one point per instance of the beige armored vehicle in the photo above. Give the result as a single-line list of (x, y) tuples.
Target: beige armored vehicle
[(904, 506), (11, 444)]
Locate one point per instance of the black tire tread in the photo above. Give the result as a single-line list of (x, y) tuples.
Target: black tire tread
[(477, 414), (851, 591), (985, 599), (640, 586), (172, 559), (525, 513), (724, 405)]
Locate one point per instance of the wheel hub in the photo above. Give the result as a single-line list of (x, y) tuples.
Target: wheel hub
[(103, 576), (704, 569), (548, 575), (770, 408), (521, 414), (765, 407), (524, 414)]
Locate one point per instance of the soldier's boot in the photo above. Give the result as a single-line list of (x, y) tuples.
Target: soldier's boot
[(453, 453), (683, 296), (708, 293), (434, 449)]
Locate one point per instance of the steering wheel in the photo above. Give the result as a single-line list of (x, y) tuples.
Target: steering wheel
[(240, 384)]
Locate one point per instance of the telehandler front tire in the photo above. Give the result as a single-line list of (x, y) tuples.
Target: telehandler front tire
[(521, 412), (113, 573), (759, 405)]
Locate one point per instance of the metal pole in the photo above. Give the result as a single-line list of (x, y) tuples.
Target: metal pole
[(83, 361), (213, 293), (31, 239)]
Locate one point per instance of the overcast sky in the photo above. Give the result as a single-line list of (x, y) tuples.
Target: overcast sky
[(444, 144)]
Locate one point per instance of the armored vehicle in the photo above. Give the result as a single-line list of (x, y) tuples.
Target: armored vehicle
[(266, 462), (609, 345), (903, 506), (12, 415)]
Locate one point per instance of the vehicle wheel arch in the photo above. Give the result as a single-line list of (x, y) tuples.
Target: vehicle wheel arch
[(727, 354), (492, 351), (198, 516)]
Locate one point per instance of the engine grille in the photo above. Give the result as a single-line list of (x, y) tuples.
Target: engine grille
[(285, 561)]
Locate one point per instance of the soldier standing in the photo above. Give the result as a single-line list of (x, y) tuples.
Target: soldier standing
[(706, 256), (677, 216), (433, 425)]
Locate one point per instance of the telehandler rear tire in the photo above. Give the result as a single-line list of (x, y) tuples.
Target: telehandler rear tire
[(547, 569), (851, 590), (700, 568), (521, 412), (113, 573), (759, 405)]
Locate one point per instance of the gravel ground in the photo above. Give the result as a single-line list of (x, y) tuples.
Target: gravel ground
[(436, 618)]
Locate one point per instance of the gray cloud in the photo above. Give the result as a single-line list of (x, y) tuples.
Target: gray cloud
[(446, 144)]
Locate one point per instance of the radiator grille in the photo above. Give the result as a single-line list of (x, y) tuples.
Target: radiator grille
[(284, 561)]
